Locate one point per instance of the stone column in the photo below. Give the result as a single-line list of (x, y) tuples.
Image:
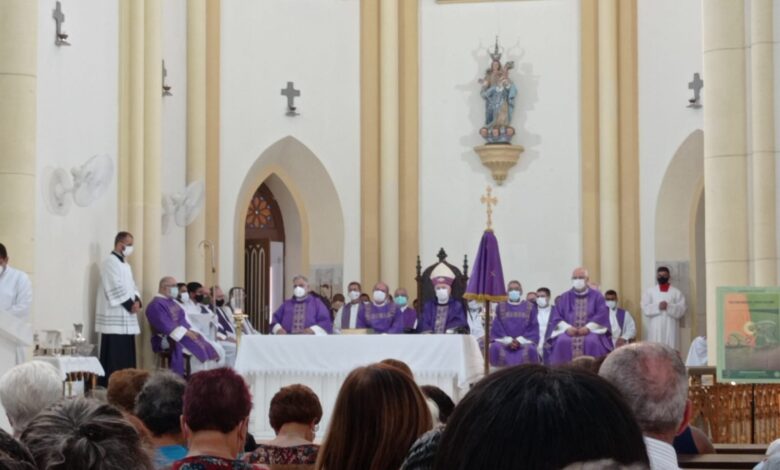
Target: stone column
[(609, 160), (762, 100), (18, 91), (196, 131), (152, 162), (389, 148), (725, 161)]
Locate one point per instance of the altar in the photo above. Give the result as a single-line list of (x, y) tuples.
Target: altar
[(451, 362)]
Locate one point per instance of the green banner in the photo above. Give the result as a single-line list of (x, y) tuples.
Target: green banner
[(749, 334)]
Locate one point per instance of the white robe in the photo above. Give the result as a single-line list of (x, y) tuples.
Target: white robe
[(15, 302), (116, 286), (352, 318), (663, 326), (206, 325), (476, 323), (628, 332), (697, 354), (543, 317)]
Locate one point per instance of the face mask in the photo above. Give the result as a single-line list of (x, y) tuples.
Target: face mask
[(401, 300), (379, 296), (442, 295), (663, 279), (354, 295), (174, 292), (611, 304), (185, 296), (199, 298), (299, 292), (127, 251), (578, 284), (541, 301), (220, 302), (514, 295)]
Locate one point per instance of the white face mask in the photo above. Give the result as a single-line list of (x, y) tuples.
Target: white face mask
[(185, 296), (379, 296), (299, 291), (611, 304), (173, 292), (442, 295), (127, 251), (578, 284), (541, 301), (353, 295)]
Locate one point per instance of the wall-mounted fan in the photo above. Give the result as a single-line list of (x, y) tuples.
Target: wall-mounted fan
[(83, 185), (183, 208)]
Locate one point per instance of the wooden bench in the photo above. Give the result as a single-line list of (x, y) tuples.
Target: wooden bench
[(740, 448), (712, 461)]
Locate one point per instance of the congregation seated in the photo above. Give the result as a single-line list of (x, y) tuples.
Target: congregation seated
[(442, 404), (532, 416), (159, 407), (123, 388), (14, 455), (294, 413), (83, 434), (400, 365), (379, 413), (654, 382), (215, 429), (27, 389)]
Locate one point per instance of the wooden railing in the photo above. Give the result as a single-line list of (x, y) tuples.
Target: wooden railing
[(735, 413)]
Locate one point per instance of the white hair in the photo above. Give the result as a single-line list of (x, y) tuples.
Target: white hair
[(301, 277), (28, 389), (653, 381)]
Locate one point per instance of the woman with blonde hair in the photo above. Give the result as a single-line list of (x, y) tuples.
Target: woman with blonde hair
[(378, 415)]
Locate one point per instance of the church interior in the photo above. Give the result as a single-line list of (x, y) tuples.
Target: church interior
[(244, 143)]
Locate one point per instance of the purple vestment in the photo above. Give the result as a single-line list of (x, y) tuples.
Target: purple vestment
[(165, 315), (297, 315), (408, 319), (438, 318), (579, 309), (380, 318), (514, 320)]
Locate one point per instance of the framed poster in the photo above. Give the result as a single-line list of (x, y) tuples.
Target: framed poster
[(748, 334)]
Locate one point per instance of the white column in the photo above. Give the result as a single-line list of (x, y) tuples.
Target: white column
[(389, 148), (609, 145), (725, 162), (762, 100)]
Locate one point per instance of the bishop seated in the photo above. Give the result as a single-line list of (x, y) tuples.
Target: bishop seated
[(173, 332), (302, 314), (444, 314)]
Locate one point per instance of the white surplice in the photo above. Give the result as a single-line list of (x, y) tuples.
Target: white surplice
[(15, 303), (627, 332), (353, 313), (663, 326), (205, 322), (116, 287)]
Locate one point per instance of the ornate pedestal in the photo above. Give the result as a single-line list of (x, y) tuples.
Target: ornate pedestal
[(499, 158)]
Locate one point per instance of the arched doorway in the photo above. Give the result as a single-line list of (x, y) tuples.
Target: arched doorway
[(679, 232), (263, 255)]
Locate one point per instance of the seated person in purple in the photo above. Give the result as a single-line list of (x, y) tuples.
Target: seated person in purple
[(381, 314), (407, 313), (172, 331), (514, 333), (444, 314), (302, 314), (581, 322)]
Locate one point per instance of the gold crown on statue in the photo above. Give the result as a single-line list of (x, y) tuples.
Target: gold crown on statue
[(497, 51)]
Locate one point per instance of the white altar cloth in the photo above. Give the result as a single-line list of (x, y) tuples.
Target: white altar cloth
[(451, 362)]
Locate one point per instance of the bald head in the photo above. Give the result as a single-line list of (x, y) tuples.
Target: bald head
[(580, 273), (381, 286), (166, 281)]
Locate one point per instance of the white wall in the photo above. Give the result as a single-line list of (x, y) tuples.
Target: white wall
[(174, 132), (77, 118), (538, 217), (316, 44), (670, 48)]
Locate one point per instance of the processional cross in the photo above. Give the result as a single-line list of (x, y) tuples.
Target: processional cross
[(291, 93), (489, 201)]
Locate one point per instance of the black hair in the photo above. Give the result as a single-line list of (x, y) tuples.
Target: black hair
[(610, 292), (545, 290), (3, 251), (193, 286), (120, 237), (442, 400), (573, 416), (663, 269), (13, 454)]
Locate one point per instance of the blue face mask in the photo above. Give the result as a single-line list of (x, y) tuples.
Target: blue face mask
[(401, 300), (174, 292), (514, 295)]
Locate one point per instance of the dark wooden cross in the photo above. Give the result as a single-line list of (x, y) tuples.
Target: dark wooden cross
[(696, 85), (59, 18), (291, 93)]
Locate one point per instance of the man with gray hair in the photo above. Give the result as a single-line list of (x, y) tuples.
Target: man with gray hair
[(654, 382), (302, 314), (28, 389), (159, 407)]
